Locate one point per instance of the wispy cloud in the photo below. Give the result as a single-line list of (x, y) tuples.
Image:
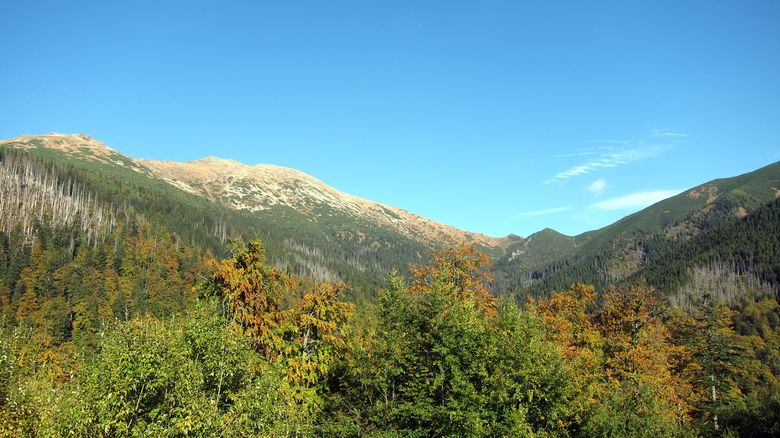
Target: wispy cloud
[(543, 212), (663, 133), (584, 153), (598, 186), (635, 200), (606, 154), (623, 142), (607, 158)]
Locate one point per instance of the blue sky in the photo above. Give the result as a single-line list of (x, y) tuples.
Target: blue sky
[(493, 116)]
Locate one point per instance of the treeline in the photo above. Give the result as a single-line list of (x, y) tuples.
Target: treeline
[(260, 353)]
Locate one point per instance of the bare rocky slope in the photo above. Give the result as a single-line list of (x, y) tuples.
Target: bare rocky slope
[(263, 186)]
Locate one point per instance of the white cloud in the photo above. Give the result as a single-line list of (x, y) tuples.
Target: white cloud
[(584, 153), (613, 153), (543, 212), (623, 142), (635, 200), (607, 157), (597, 186), (667, 134)]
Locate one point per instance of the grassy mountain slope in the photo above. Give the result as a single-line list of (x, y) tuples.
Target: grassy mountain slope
[(694, 209), (263, 188)]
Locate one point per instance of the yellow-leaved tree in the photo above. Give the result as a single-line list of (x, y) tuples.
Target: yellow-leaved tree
[(623, 360), (253, 292), (299, 331), (467, 272)]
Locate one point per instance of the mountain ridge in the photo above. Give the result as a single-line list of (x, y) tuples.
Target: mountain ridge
[(261, 187)]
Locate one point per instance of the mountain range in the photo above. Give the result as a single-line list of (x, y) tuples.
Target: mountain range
[(314, 230)]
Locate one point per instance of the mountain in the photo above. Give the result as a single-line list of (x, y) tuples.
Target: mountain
[(258, 188), (520, 266), (309, 228), (313, 230), (265, 189), (622, 252)]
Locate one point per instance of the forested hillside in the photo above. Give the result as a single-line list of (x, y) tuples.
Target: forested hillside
[(737, 257), (71, 260), (328, 249), (665, 243)]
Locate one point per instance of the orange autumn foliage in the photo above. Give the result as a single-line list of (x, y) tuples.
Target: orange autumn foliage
[(617, 336), (253, 292), (464, 268)]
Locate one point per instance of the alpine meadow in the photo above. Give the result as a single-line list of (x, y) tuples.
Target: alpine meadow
[(476, 219)]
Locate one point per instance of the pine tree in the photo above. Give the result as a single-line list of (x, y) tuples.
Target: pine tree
[(721, 353)]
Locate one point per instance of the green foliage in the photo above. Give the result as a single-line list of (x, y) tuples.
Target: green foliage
[(183, 377), (142, 383), (634, 410), (748, 376), (531, 381), (263, 409), (434, 363), (29, 369)]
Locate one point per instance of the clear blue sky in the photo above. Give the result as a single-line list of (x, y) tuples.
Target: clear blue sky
[(493, 116)]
